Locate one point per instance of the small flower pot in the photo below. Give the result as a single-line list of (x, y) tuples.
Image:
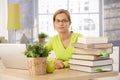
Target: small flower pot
[(37, 66), (41, 40)]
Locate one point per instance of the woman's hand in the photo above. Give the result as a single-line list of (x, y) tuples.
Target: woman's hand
[(59, 64)]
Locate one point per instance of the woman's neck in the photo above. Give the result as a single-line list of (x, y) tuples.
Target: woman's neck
[(65, 35)]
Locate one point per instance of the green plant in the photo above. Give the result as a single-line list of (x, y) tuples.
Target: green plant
[(42, 35), (3, 40), (36, 50)]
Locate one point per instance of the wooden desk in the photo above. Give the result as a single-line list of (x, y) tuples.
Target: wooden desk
[(63, 74)]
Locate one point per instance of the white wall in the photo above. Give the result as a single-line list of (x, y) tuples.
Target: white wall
[(3, 18)]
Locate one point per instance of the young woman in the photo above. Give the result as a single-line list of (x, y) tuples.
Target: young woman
[(61, 43)]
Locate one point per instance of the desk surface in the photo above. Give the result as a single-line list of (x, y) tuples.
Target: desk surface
[(63, 74)]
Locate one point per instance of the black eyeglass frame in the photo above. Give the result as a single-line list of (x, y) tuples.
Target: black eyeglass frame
[(63, 21)]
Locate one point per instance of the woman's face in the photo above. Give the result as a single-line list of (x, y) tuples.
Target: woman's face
[(61, 23)]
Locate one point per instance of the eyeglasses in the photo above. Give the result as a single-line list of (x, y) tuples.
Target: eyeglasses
[(63, 21)]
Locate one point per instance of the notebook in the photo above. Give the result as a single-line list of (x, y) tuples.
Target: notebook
[(12, 55)]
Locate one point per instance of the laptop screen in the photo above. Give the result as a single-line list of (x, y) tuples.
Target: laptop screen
[(12, 55)]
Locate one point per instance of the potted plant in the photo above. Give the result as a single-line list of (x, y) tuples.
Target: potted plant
[(41, 37), (3, 40), (37, 58)]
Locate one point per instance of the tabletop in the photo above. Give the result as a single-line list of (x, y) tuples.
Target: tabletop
[(62, 74)]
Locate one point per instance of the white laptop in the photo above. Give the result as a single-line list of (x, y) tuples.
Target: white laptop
[(12, 55)]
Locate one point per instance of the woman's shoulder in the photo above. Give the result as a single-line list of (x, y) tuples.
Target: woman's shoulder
[(54, 37), (51, 40), (76, 34)]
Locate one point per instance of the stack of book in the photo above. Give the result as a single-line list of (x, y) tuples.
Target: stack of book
[(92, 55)]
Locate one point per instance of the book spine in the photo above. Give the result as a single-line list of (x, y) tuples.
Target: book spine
[(106, 45), (91, 62), (91, 40), (91, 69), (92, 51), (89, 57), (91, 46)]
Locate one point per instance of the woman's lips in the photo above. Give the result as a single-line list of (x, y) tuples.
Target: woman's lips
[(61, 27)]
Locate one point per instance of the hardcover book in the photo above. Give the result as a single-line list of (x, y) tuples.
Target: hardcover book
[(88, 46), (89, 57), (91, 69), (91, 62), (93, 51), (91, 40)]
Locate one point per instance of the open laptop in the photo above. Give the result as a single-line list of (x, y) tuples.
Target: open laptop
[(12, 55)]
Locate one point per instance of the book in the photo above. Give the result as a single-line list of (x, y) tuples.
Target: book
[(92, 69), (91, 62), (91, 40), (104, 51), (95, 45), (89, 57)]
